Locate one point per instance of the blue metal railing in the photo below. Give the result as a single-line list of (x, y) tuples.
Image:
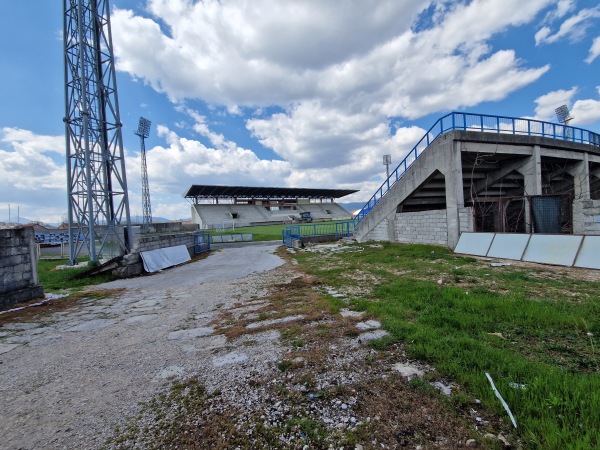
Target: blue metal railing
[(339, 229), (482, 123)]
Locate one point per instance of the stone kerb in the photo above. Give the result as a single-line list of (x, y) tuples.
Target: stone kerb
[(18, 266)]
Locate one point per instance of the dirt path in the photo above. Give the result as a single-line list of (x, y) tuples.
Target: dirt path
[(67, 380)]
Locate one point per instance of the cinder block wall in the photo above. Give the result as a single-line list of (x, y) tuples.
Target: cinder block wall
[(379, 232), (586, 217), (18, 266), (149, 242), (423, 227)]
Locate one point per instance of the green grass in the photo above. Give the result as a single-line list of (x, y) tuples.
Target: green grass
[(57, 280), (546, 329), (263, 232)]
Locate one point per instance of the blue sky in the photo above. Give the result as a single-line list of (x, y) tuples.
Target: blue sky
[(290, 93)]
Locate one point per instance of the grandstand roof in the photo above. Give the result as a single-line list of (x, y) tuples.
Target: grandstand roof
[(204, 191)]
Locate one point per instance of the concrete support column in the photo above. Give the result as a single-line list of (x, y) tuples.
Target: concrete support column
[(532, 174), (581, 178), (532, 171), (455, 198)]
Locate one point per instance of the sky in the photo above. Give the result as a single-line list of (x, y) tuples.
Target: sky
[(293, 93)]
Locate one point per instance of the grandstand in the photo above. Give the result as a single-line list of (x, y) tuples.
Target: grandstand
[(215, 207)]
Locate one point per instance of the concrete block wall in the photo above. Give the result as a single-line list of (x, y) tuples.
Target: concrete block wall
[(422, 227), (132, 266), (147, 242), (378, 233), (467, 220), (586, 217), (18, 266)]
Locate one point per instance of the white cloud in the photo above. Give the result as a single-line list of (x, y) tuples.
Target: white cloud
[(28, 166), (363, 58), (583, 111), (547, 103), (32, 174), (586, 111), (574, 28), (594, 51)]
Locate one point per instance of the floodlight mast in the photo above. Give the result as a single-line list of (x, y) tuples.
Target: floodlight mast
[(387, 160), (143, 132), (98, 202), (563, 115)]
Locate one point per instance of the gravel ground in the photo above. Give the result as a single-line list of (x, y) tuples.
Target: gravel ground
[(67, 380)]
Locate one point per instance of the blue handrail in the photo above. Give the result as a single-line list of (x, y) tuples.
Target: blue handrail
[(483, 123)]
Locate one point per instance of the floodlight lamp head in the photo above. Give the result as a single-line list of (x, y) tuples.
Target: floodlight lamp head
[(387, 159), (562, 114), (143, 128)]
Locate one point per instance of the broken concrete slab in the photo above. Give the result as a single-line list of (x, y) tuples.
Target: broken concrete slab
[(268, 322), (369, 336), (234, 357), (348, 313), (93, 325), (191, 333), (408, 370), (5, 348), (368, 325)]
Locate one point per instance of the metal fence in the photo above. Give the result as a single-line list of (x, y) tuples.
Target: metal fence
[(201, 242), (296, 232), (525, 214), (481, 123)]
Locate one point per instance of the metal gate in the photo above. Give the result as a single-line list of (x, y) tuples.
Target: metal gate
[(525, 214)]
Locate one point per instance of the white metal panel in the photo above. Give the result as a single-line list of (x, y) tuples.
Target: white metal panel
[(474, 243), (589, 253), (557, 249), (509, 246), (162, 258)]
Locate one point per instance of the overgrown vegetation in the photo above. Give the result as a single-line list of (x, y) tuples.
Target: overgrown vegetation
[(531, 325), (55, 280)]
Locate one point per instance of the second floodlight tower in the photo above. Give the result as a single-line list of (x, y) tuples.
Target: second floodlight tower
[(143, 132)]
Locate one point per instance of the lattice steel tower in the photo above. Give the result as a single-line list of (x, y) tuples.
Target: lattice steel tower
[(143, 132), (98, 203)]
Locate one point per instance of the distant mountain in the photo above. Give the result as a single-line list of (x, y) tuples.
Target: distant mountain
[(13, 219), (352, 206)]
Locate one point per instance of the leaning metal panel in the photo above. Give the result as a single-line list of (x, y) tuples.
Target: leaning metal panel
[(98, 204), (559, 249), (476, 244), (588, 253), (509, 246)]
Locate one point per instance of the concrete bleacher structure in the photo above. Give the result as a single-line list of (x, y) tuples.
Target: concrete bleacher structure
[(227, 206), (469, 170)]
